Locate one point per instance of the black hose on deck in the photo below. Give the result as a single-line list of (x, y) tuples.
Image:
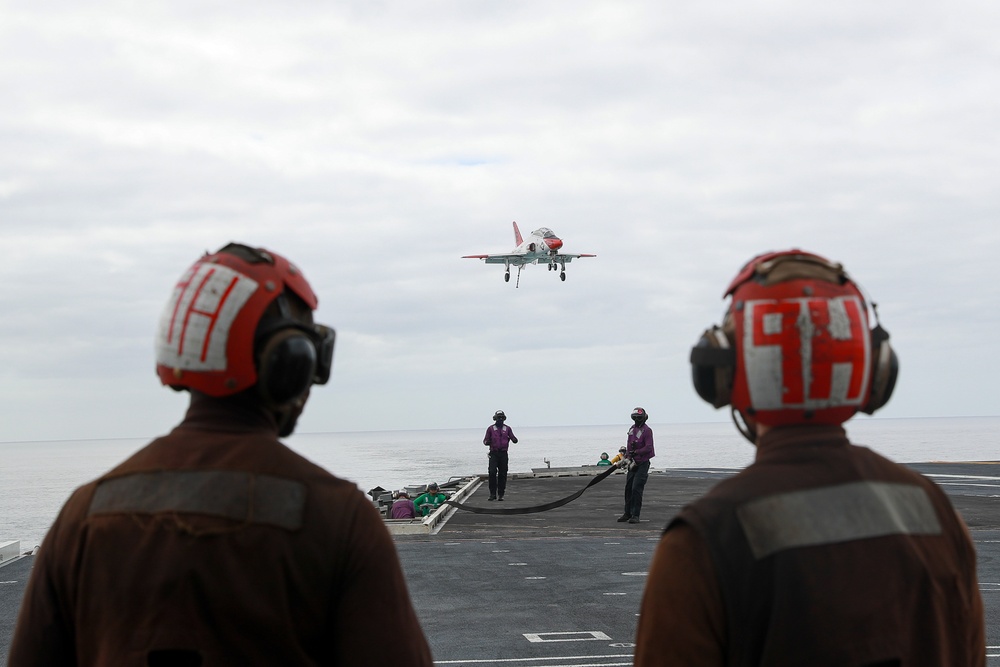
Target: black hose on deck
[(537, 508)]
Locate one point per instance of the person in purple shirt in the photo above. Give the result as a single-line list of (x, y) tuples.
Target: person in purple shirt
[(497, 439), (638, 452), (403, 507)]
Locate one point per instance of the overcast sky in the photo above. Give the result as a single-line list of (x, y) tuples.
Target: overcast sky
[(374, 143)]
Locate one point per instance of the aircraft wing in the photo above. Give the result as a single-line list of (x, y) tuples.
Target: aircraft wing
[(513, 260), (569, 258)]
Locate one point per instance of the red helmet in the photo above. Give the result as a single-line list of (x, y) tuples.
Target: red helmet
[(208, 338), (795, 346)]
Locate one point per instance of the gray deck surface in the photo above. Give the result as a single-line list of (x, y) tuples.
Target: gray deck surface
[(562, 588)]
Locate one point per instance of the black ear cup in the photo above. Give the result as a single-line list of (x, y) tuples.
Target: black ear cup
[(713, 363), (286, 366), (885, 368)]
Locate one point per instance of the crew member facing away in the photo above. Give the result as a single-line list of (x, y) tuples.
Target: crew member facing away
[(498, 437), (402, 507), (820, 552), (216, 544), (638, 452)]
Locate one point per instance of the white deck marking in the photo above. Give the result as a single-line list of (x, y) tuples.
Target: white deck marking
[(498, 661), (995, 479), (634, 574), (587, 636)]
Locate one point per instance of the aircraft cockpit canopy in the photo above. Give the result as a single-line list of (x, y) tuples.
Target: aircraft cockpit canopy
[(545, 233)]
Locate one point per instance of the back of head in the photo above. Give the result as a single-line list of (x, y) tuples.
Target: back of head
[(795, 346), (240, 318)]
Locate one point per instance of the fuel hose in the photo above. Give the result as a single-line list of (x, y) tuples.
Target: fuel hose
[(537, 508)]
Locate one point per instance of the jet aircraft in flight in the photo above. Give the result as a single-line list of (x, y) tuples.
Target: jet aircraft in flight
[(541, 247)]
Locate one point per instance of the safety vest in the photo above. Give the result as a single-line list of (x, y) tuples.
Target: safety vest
[(829, 554)]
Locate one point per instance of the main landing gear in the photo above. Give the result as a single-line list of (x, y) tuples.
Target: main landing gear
[(506, 276), (555, 267)]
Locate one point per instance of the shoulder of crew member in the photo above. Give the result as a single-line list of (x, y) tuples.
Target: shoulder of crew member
[(375, 583), (682, 618)]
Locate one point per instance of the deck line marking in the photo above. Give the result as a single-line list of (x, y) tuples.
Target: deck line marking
[(591, 635), (995, 479), (986, 486), (567, 657)]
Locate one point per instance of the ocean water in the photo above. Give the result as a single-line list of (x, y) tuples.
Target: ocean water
[(37, 477)]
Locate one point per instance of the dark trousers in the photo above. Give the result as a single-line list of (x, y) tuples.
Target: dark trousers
[(498, 472), (635, 482)]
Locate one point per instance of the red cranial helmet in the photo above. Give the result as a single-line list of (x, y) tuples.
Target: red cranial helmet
[(795, 346), (211, 338)]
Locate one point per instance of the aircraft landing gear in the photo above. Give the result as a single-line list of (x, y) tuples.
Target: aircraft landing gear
[(506, 277), (562, 276)]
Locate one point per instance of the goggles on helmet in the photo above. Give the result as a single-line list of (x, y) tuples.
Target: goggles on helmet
[(212, 324)]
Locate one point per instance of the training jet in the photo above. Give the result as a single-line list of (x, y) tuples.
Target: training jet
[(541, 247)]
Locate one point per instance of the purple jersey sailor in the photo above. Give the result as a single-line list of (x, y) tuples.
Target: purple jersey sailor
[(498, 437), (640, 443)]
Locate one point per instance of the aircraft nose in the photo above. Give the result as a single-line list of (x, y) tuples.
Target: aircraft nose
[(553, 244)]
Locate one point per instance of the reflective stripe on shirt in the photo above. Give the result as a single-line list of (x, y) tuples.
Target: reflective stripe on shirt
[(836, 514), (240, 496)]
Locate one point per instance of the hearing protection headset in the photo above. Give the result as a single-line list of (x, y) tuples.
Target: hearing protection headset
[(795, 346), (231, 324)]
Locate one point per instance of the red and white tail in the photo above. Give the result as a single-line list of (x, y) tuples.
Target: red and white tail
[(517, 235)]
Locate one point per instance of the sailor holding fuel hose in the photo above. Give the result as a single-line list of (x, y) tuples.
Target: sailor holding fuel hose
[(638, 452)]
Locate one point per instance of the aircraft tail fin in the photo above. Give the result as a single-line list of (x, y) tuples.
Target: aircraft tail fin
[(517, 235)]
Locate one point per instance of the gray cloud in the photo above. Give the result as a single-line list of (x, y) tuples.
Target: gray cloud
[(376, 143)]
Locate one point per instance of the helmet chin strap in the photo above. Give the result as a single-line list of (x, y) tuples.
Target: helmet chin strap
[(743, 426), (287, 416)]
